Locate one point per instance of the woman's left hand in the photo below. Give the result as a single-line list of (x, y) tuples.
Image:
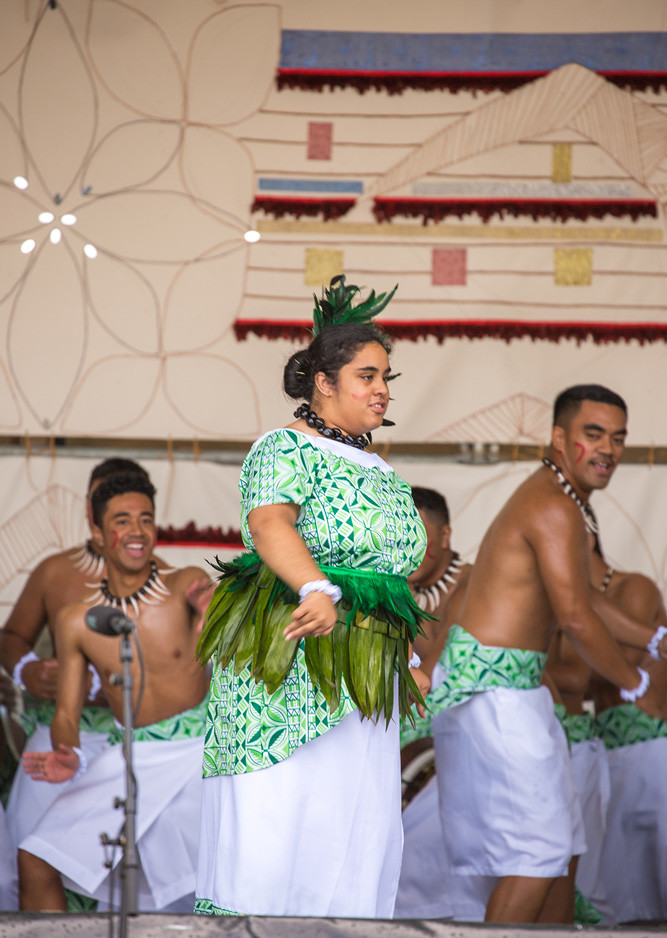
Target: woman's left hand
[(315, 615)]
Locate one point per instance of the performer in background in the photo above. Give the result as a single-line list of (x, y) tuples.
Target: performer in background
[(62, 578), (169, 722), (636, 744), (496, 729), (310, 634)]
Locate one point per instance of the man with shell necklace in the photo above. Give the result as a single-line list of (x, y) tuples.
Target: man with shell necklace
[(507, 799)]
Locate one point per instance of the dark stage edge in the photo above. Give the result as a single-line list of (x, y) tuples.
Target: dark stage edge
[(82, 925)]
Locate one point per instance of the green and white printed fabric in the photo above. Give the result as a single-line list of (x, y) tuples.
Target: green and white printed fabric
[(355, 512), (186, 725), (626, 724), (561, 716), (422, 727), (41, 713), (471, 668), (580, 727), (248, 728), (207, 907)]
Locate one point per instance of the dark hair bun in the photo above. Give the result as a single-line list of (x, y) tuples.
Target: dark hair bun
[(297, 379)]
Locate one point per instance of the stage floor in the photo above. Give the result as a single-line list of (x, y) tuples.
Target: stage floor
[(46, 925)]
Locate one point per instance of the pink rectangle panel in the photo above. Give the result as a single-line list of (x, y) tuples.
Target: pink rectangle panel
[(448, 266), (320, 138)]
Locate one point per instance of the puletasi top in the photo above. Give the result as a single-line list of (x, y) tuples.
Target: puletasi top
[(354, 512)]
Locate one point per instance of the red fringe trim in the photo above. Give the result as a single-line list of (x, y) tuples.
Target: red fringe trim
[(398, 82), (600, 333), (192, 536), (435, 210), (277, 206)]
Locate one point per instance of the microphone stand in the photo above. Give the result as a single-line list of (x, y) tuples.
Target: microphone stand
[(127, 839)]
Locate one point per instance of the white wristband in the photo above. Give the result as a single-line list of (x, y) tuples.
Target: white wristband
[(96, 683), (18, 667), (630, 696), (321, 586), (83, 763), (415, 661), (652, 646)]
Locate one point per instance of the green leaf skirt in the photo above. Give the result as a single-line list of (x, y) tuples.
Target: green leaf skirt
[(377, 620)]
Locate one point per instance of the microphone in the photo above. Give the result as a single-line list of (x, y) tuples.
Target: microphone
[(105, 620)]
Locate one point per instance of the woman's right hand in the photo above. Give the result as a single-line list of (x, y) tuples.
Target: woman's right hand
[(315, 615)]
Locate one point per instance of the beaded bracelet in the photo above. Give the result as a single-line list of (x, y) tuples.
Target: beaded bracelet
[(321, 586), (652, 646), (630, 696)]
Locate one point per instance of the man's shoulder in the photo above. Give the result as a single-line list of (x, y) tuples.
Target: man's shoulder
[(539, 498), (636, 586), (56, 564), (180, 579), (71, 616)]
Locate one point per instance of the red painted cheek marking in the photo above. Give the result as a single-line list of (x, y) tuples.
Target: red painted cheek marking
[(115, 538), (582, 450), (429, 552)]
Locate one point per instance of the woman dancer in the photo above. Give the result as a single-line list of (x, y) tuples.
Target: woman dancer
[(310, 633)]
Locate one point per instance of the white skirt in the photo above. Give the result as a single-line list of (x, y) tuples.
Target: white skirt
[(318, 834), (507, 797), (30, 799), (168, 777), (428, 887), (634, 853), (9, 895), (591, 777)]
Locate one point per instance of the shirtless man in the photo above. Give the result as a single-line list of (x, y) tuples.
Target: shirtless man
[(58, 580), (170, 720), (63, 578), (440, 577), (630, 599), (427, 888), (636, 820), (506, 791)]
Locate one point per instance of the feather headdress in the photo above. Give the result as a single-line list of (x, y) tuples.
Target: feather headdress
[(335, 307)]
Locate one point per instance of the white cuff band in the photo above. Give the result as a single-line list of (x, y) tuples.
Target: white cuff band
[(415, 661), (83, 763), (18, 667), (630, 696), (321, 586), (652, 646), (96, 683)]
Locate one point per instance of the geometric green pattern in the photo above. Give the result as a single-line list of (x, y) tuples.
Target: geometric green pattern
[(627, 724), (352, 515), (93, 719), (76, 902), (248, 728), (422, 729), (207, 907), (580, 727), (585, 912), (186, 725), (561, 716), (471, 668)]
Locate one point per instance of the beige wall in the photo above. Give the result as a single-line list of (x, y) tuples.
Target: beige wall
[(153, 121)]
